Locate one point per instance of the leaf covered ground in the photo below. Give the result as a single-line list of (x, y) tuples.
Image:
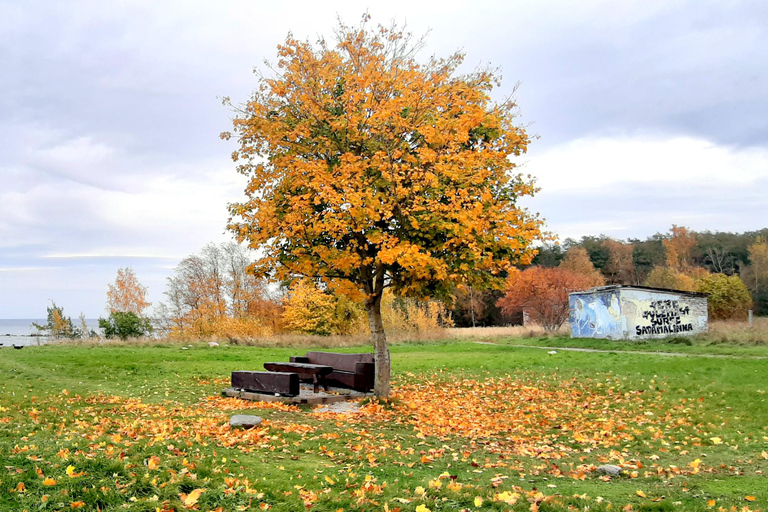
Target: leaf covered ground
[(468, 427)]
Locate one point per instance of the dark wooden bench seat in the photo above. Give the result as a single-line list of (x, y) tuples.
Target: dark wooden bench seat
[(355, 371), (279, 383), (315, 373)]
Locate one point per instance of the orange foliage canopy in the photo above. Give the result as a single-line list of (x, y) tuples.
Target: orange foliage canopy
[(367, 166), (542, 293), (370, 170)]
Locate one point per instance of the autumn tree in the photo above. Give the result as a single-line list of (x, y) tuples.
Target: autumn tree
[(212, 293), (542, 294), (127, 295), (756, 274), (621, 266), (57, 325), (370, 170), (577, 261), (679, 245)]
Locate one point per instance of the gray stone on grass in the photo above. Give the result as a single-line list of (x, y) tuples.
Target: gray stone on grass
[(609, 469), (244, 421)]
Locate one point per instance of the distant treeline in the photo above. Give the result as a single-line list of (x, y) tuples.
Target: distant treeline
[(653, 261)]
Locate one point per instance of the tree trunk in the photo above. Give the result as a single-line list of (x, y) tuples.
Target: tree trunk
[(380, 347)]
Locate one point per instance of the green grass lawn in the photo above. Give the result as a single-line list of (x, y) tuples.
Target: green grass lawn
[(469, 427)]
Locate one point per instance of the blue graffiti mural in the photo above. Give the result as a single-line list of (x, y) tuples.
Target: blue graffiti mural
[(595, 315)]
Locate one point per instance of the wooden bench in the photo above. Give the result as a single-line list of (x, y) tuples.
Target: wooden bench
[(279, 383), (355, 371), (306, 371)]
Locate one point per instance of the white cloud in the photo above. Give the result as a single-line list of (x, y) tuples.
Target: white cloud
[(589, 164), (636, 186)]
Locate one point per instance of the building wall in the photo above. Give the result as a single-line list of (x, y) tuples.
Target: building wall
[(596, 315), (660, 315), (633, 314)]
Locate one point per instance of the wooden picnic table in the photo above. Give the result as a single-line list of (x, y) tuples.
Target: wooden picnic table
[(306, 371)]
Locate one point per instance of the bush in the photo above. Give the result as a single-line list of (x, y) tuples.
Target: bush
[(728, 296), (125, 325)]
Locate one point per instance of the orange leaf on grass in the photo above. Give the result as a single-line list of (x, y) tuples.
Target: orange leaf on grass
[(750, 498), (49, 482), (190, 499)]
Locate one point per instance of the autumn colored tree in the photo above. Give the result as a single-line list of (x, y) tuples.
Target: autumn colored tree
[(542, 293), (127, 295), (679, 245), (621, 266), (728, 298), (671, 278), (311, 310), (213, 294), (57, 325), (577, 261), (370, 170), (755, 276)]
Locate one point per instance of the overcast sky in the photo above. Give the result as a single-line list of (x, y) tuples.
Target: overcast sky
[(647, 113)]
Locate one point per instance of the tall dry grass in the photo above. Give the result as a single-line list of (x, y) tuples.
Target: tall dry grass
[(512, 331), (738, 332)]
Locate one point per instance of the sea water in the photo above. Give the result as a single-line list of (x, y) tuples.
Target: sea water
[(20, 331)]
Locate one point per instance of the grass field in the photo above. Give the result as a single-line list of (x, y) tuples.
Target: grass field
[(499, 425)]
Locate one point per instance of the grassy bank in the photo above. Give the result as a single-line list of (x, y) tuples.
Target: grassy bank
[(472, 426)]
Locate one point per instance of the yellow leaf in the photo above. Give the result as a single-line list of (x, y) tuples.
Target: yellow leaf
[(716, 440), (478, 501), (640, 493), (330, 480), (422, 508), (153, 462), (191, 499)]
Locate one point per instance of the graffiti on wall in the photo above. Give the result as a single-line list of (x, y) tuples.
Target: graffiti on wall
[(630, 313), (666, 317)]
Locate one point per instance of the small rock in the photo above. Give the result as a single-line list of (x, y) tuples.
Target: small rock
[(213, 344), (609, 469), (244, 421), (184, 348), (552, 352)]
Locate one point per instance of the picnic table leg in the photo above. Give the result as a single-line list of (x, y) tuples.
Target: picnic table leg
[(316, 382)]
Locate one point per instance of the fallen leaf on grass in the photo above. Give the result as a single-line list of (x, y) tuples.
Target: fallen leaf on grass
[(71, 472), (640, 493), (750, 498), (50, 482), (190, 499)]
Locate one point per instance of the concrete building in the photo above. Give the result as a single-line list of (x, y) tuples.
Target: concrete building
[(621, 312)]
